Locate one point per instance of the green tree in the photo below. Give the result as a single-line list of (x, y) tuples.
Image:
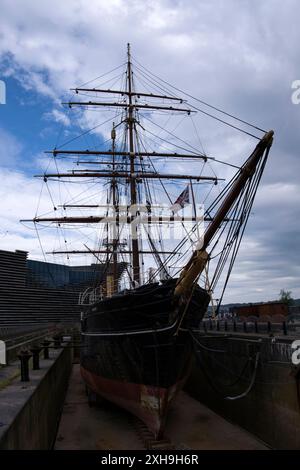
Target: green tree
[(285, 296)]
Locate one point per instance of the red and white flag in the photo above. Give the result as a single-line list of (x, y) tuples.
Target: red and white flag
[(182, 200)]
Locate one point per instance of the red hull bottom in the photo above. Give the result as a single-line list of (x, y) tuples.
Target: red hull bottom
[(150, 404)]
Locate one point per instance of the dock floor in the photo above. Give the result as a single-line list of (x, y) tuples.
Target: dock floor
[(107, 427)]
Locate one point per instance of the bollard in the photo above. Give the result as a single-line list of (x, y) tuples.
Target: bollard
[(24, 357), (269, 326), (57, 341), (225, 326), (234, 326), (256, 326), (245, 326), (218, 325), (284, 327), (45, 345), (36, 357)]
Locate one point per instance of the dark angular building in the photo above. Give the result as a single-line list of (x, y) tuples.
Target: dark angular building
[(38, 292), (60, 276)]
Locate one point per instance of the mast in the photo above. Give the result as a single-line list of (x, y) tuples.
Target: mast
[(115, 240), (134, 173), (130, 122)]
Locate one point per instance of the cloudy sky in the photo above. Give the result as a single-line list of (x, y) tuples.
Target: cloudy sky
[(241, 55)]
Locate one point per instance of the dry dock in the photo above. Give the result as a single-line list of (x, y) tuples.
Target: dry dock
[(107, 427), (243, 393)]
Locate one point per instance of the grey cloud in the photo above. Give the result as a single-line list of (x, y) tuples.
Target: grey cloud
[(239, 55)]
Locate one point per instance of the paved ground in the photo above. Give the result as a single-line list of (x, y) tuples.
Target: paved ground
[(102, 427), (192, 424), (8, 374), (107, 427)]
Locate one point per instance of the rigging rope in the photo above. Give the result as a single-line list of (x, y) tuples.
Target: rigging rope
[(211, 380), (205, 103)]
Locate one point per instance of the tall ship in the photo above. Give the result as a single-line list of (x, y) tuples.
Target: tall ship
[(147, 205)]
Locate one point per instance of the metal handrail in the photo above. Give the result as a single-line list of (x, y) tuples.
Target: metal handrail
[(90, 295)]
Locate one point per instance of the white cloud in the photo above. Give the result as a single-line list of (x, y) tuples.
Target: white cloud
[(23, 197), (58, 116)]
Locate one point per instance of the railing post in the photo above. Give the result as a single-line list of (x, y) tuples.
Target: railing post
[(284, 327), (45, 345), (24, 357), (35, 350), (57, 341)]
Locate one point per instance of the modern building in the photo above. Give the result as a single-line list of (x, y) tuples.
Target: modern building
[(60, 276), (36, 291)]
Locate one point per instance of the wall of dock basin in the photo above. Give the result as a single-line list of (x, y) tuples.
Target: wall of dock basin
[(34, 424), (224, 367)]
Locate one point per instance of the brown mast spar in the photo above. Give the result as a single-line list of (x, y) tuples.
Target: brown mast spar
[(197, 262), (56, 152), (127, 175)]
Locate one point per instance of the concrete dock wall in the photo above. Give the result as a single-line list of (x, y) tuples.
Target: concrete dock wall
[(29, 412), (271, 409)]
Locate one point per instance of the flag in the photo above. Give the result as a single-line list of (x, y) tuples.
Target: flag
[(182, 200)]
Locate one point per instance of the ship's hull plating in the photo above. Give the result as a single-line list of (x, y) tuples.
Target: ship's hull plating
[(133, 353), (150, 404)]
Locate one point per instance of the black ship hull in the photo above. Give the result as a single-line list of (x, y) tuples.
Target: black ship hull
[(134, 353)]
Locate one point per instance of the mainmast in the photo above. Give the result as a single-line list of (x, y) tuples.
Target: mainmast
[(130, 123), (128, 99)]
